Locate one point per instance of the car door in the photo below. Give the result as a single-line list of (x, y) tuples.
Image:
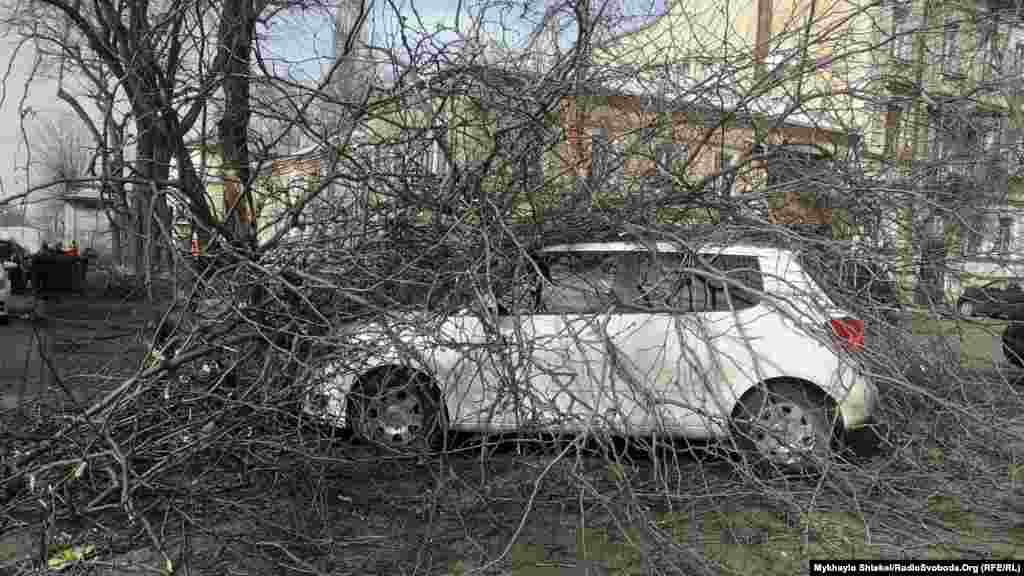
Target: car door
[(658, 356), (571, 337), (621, 350), (736, 333), (700, 350), (695, 360), (499, 337)]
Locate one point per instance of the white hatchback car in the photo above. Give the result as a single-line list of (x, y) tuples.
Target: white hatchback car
[(631, 338)]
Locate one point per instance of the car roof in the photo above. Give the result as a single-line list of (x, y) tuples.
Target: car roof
[(668, 247)]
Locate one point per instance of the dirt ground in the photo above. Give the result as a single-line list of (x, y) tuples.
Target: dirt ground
[(89, 341), (298, 499)]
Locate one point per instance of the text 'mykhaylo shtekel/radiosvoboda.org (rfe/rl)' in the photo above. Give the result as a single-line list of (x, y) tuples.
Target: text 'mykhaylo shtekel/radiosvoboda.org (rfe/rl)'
[(884, 567)]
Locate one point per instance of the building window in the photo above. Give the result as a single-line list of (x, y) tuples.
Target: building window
[(726, 173), (437, 164), (992, 139), (903, 39), (972, 240), (682, 71), (956, 143), (599, 152), (1011, 152), (778, 61), (669, 156), (951, 48), (605, 161), (531, 165), (893, 116), (1005, 241), (993, 69)]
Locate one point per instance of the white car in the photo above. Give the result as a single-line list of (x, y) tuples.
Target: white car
[(627, 337)]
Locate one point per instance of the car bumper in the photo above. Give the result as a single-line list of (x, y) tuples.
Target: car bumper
[(326, 400), (858, 408)]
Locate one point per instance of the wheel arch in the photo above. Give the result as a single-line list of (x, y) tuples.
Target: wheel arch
[(412, 371), (810, 387), (405, 373)]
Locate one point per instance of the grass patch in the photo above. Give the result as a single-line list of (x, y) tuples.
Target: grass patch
[(532, 560), (593, 546), (977, 337), (620, 558), (968, 535), (926, 325), (951, 511), (766, 542)]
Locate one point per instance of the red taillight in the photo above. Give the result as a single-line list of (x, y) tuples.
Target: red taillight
[(850, 332)]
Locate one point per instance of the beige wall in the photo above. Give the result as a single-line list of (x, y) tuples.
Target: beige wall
[(90, 227)]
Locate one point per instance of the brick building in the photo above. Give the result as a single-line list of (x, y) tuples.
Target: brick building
[(627, 145)]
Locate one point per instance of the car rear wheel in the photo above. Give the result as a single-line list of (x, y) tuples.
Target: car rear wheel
[(785, 426), (966, 308), (398, 410)]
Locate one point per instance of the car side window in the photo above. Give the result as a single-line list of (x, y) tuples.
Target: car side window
[(520, 294), (674, 281), (745, 281), (580, 282)]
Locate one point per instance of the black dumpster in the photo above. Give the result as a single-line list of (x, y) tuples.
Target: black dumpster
[(57, 272)]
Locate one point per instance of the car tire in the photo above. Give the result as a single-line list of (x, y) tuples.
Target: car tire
[(966, 308), (399, 411), (785, 427)]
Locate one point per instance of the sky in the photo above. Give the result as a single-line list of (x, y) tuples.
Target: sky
[(301, 39), (38, 102)]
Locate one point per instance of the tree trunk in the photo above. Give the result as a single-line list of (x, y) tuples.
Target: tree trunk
[(143, 197), (236, 32), (114, 192)]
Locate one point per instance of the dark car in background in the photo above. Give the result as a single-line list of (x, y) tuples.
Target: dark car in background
[(1013, 342), (995, 299), (16, 260)]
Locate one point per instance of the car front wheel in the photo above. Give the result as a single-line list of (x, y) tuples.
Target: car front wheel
[(398, 410), (785, 426)]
